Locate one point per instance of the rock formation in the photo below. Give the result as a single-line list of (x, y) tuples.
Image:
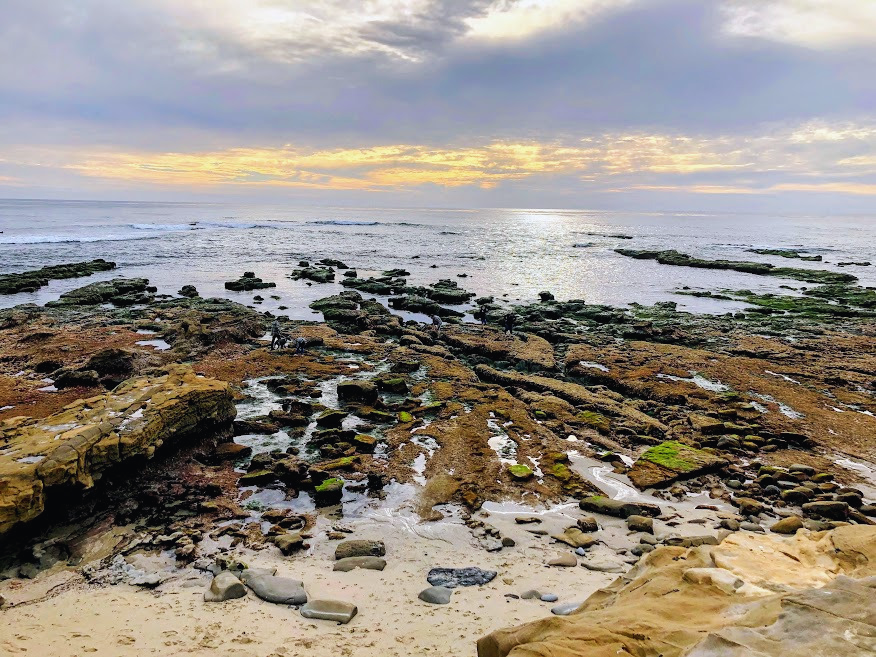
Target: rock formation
[(75, 446)]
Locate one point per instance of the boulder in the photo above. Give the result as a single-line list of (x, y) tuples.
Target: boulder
[(329, 492), (640, 524), (364, 392), (359, 548), (453, 577), (224, 586), (331, 610), (77, 445), (832, 510), (669, 461), (269, 587), (618, 508), (564, 560), (436, 595), (289, 542)]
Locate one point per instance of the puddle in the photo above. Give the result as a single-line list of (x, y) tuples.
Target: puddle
[(782, 376), (145, 332), (784, 409), (30, 459), (501, 443), (699, 381), (48, 389), (864, 470), (158, 344), (592, 365)]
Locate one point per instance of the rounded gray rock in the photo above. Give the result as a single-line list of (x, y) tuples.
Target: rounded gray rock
[(436, 595)]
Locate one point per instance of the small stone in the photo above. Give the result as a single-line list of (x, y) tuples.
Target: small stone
[(331, 610), (507, 541), (347, 564), (565, 609), (565, 560), (588, 524), (224, 586), (549, 597), (527, 520), (147, 581), (531, 594), (603, 565), (729, 523), (436, 595), (751, 527)]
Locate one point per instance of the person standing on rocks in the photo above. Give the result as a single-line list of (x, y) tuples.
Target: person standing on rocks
[(275, 334), (482, 315), (300, 343), (436, 324), (509, 323)]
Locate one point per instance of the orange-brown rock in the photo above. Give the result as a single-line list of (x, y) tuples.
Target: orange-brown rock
[(77, 445)]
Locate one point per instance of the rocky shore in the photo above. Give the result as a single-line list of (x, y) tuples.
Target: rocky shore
[(158, 462)]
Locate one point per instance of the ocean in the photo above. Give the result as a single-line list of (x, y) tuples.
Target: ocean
[(512, 254)]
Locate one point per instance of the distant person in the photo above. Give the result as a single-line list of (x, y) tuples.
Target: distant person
[(276, 334), (300, 343), (436, 324), (481, 315), (509, 323)]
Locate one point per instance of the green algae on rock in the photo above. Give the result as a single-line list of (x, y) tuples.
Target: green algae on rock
[(663, 464), (672, 257), (31, 281)]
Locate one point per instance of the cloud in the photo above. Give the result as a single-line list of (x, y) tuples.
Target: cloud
[(810, 23), (492, 99), (808, 157)]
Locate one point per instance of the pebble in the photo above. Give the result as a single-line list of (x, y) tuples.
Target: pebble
[(751, 526), (549, 597), (531, 594)]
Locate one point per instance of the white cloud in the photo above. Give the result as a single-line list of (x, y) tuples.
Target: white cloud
[(510, 19), (816, 24)]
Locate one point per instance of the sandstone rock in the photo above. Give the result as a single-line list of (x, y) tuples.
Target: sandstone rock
[(565, 609), (436, 595), (793, 603), (564, 560), (75, 446), (588, 524), (347, 564), (359, 548), (224, 586), (331, 610), (575, 538), (749, 506), (663, 464)]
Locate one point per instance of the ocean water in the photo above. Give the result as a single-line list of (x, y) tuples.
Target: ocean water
[(511, 254)]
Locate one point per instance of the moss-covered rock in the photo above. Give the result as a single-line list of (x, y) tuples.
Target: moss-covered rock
[(663, 464), (520, 471)]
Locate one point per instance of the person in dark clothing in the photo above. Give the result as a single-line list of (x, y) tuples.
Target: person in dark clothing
[(509, 323), (481, 314), (436, 324), (300, 343), (276, 334)]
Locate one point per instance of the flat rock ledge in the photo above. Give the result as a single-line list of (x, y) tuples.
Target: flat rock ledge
[(75, 446)]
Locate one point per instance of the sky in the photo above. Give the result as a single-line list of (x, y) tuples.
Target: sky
[(740, 105)]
